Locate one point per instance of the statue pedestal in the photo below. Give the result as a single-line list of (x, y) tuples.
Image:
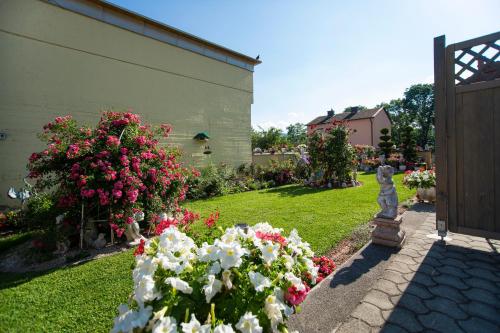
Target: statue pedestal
[(388, 232)]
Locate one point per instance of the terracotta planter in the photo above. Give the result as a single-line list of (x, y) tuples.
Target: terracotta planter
[(426, 194)]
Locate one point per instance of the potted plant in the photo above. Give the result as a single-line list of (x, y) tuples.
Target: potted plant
[(425, 183)]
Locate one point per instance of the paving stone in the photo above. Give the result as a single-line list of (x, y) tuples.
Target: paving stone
[(452, 270), (432, 262), (368, 313), (418, 291), (390, 328), (481, 257), (476, 282), (456, 255), (405, 319), (448, 292), (379, 299), (424, 279), (414, 267), (393, 276), (411, 302), (402, 286), (428, 269), (399, 267), (483, 274), (439, 322), (445, 306), (354, 325), (387, 287), (451, 281), (482, 310), (435, 255), (484, 265), (478, 325), (482, 295), (404, 259), (456, 263), (410, 252)]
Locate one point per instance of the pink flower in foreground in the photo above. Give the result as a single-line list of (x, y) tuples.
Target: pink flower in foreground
[(87, 193), (132, 195), (72, 151), (113, 141), (295, 296)]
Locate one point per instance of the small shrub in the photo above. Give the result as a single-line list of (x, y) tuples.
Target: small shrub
[(385, 143)]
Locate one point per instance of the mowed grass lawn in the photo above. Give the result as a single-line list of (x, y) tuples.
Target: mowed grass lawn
[(85, 298)]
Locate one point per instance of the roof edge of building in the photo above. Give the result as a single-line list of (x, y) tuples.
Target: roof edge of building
[(112, 14)]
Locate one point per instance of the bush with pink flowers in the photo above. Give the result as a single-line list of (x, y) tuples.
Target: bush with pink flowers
[(117, 167)]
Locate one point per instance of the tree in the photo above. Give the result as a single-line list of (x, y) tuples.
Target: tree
[(266, 139), (399, 116), (359, 107), (296, 134), (419, 102), (385, 143), (408, 144)]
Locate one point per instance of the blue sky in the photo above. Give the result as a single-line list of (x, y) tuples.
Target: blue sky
[(319, 55)]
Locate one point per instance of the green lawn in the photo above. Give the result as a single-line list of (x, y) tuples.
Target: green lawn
[(85, 298)]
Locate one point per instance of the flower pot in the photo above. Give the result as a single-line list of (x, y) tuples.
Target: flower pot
[(426, 194), (402, 167)]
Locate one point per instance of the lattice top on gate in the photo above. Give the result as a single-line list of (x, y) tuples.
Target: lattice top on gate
[(477, 62)]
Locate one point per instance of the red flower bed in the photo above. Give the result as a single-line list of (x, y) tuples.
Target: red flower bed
[(117, 166)]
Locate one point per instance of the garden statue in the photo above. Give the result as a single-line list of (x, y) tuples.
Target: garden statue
[(387, 197), (100, 242), (387, 222), (132, 231)]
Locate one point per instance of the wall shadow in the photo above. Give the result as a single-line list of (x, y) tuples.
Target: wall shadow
[(455, 289), (364, 261), (296, 190)]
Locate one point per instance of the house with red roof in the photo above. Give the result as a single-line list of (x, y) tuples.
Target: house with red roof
[(364, 124)]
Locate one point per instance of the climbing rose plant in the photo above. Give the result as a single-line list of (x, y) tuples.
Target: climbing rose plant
[(117, 166), (246, 280)]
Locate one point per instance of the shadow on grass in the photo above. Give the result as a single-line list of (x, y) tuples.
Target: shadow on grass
[(298, 190), (10, 280), (364, 262)]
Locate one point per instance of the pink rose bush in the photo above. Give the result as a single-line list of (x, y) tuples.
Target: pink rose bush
[(118, 167), (245, 280)]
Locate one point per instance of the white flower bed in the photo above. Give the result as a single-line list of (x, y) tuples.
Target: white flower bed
[(247, 282)]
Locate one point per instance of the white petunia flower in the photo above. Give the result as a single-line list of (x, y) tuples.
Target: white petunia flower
[(226, 279), (311, 268), (289, 262), (223, 329), (165, 325), (249, 323), (179, 284), (230, 254), (269, 251), (296, 282), (127, 320), (212, 287), (214, 268), (259, 281), (194, 326), (231, 235), (272, 308), (145, 266), (208, 252), (145, 290)]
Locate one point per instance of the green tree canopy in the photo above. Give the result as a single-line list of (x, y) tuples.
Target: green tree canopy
[(296, 134), (266, 139)]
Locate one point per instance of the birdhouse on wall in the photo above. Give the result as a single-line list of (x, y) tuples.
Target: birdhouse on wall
[(202, 136)]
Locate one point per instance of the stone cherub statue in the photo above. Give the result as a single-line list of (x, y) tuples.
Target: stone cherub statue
[(132, 231), (387, 197)]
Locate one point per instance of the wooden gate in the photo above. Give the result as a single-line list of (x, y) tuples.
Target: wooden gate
[(467, 92)]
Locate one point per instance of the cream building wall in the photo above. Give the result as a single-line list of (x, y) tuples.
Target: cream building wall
[(55, 62)]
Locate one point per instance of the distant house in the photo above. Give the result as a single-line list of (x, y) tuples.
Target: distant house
[(365, 124)]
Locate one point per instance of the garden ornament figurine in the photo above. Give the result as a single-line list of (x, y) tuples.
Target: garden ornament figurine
[(387, 223), (132, 231), (100, 242), (387, 197)]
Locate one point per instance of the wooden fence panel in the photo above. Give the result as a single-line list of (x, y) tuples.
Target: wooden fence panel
[(467, 92)]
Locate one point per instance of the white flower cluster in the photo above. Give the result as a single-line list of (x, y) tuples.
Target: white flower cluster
[(422, 179), (259, 261)]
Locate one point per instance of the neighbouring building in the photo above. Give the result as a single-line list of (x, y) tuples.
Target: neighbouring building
[(365, 124), (79, 57)]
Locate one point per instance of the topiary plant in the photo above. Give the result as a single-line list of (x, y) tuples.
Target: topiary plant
[(385, 143), (408, 144)]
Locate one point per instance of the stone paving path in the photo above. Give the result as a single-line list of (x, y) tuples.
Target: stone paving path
[(434, 287)]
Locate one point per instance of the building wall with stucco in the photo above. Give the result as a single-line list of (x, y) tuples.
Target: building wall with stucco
[(54, 62)]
